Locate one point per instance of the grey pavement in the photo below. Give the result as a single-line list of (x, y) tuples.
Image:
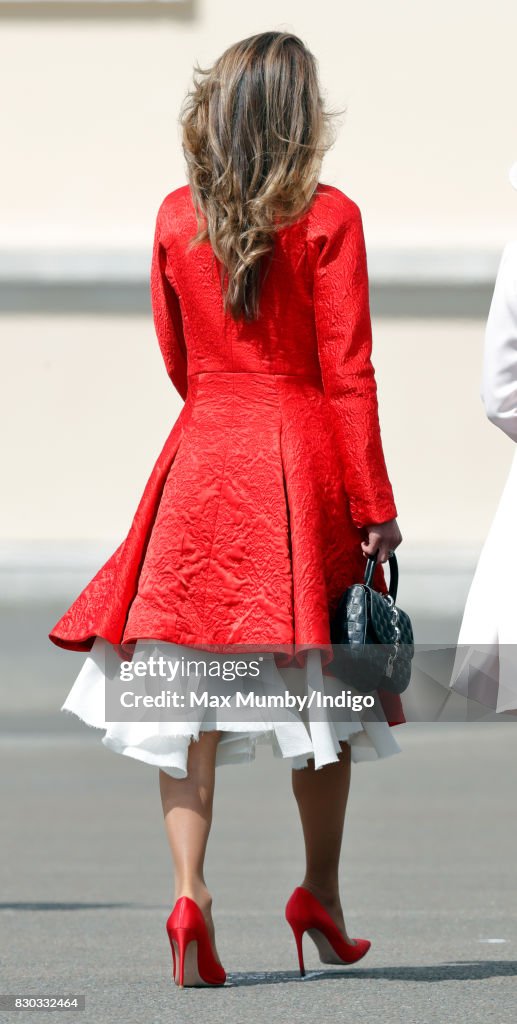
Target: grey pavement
[(428, 871)]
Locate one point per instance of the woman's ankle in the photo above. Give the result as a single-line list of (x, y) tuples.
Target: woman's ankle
[(323, 890), (195, 890), (329, 897)]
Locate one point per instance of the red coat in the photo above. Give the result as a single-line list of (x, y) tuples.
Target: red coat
[(249, 528)]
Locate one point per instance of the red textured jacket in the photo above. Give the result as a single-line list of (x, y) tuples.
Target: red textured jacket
[(249, 528)]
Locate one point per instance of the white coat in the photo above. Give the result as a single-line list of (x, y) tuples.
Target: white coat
[(486, 661)]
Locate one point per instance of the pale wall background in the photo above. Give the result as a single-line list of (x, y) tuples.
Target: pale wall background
[(91, 146)]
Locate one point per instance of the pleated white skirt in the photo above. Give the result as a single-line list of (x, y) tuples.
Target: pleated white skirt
[(299, 736)]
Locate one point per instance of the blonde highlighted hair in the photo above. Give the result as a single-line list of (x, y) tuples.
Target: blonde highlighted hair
[(254, 134)]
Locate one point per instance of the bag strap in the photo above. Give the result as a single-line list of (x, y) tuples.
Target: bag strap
[(394, 572)]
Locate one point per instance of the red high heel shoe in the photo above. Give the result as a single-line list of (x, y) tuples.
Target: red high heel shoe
[(190, 944), (306, 914)]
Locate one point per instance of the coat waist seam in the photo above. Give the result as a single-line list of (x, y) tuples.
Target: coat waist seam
[(257, 373)]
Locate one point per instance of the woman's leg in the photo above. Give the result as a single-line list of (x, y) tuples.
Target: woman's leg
[(322, 797), (187, 809)]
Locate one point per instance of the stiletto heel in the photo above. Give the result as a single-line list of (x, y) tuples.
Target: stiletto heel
[(183, 937), (305, 913), (298, 936), (187, 930), (173, 958)]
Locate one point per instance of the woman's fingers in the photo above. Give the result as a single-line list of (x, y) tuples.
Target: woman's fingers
[(375, 543), (382, 537)]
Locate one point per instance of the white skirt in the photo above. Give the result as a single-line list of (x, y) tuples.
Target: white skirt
[(299, 736)]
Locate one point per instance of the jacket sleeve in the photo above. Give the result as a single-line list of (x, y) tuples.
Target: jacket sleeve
[(167, 312), (499, 376), (343, 326)]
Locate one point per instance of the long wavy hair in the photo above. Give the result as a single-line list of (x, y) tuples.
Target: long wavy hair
[(254, 133)]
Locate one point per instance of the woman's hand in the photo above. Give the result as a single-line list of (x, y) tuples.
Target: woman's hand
[(384, 536)]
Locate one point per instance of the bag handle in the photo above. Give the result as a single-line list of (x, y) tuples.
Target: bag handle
[(394, 572)]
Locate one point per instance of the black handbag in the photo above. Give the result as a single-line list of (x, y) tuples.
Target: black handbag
[(373, 638)]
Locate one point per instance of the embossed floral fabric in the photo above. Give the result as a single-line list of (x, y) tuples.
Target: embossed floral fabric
[(249, 528)]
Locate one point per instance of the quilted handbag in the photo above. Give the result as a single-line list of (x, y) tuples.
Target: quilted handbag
[(373, 638)]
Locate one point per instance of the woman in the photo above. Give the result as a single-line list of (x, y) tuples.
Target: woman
[(272, 486), (485, 668)]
